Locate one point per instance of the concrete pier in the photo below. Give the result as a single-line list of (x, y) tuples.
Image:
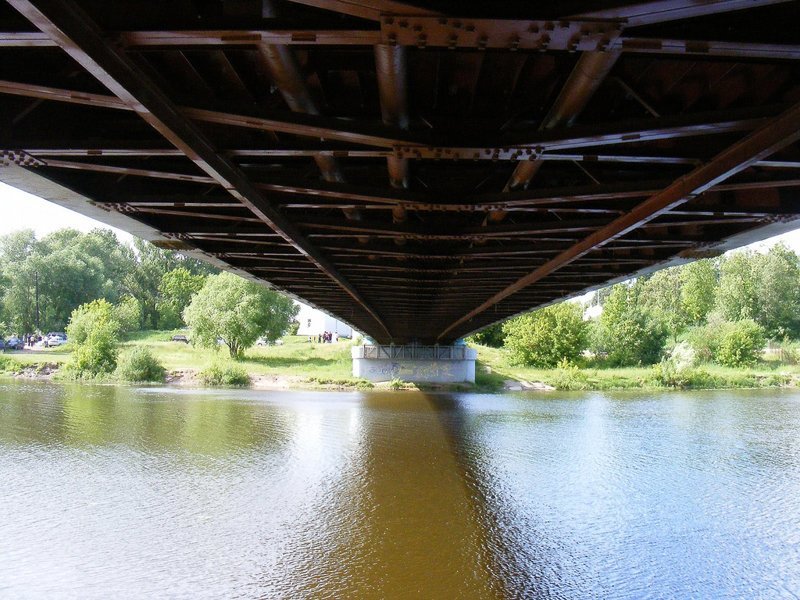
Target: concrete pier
[(420, 364)]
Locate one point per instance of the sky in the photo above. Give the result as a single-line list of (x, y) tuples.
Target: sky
[(19, 210)]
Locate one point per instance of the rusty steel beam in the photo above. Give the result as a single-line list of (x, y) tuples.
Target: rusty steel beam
[(285, 73), (662, 11), (368, 9), (298, 124), (707, 48), (765, 141), (587, 75), (307, 125), (66, 24), (81, 166), (423, 232), (391, 68), (248, 38), (508, 34)]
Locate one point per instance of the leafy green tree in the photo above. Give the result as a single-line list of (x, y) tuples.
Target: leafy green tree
[(18, 280), (547, 336), (628, 333), (238, 312), (492, 336), (128, 314), (94, 335), (143, 282), (176, 289), (778, 292), (698, 290), (737, 295), (660, 295)]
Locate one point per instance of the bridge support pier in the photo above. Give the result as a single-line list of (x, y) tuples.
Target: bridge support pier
[(418, 364)]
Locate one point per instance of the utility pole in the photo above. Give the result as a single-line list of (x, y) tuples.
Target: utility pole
[(36, 280)]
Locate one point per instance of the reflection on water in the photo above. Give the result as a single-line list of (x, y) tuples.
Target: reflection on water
[(130, 493)]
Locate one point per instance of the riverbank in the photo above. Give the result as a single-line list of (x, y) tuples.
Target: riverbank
[(298, 364)]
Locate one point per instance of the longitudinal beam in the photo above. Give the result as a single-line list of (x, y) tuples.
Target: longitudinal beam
[(661, 11), (368, 9), (768, 139), (70, 28)]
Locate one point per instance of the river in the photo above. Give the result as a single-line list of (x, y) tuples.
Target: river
[(115, 492)]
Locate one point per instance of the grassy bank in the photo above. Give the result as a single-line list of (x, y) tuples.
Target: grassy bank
[(297, 363), (495, 365)]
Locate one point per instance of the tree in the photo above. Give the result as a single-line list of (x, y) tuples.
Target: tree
[(737, 295), (660, 295), (628, 333), (778, 292), (698, 290), (176, 289), (128, 314), (143, 282), (492, 336), (238, 312), (547, 336)]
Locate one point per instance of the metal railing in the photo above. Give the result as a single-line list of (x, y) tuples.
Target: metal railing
[(380, 352)]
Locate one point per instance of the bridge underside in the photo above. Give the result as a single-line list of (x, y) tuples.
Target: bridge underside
[(418, 172)]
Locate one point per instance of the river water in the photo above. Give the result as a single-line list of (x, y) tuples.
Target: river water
[(113, 492)]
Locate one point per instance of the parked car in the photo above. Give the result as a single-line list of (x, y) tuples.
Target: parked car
[(180, 338), (2, 345), (55, 339), (14, 343)]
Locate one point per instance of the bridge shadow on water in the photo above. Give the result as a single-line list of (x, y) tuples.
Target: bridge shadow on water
[(516, 556)]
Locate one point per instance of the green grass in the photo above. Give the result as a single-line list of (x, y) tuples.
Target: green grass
[(38, 356), (295, 358), (768, 373)]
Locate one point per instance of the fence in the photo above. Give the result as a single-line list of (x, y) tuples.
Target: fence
[(413, 352)]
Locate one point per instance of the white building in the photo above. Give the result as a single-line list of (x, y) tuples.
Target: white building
[(314, 322)]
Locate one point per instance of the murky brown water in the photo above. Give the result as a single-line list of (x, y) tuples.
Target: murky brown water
[(145, 493)]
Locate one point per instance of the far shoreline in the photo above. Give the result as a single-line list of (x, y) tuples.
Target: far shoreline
[(299, 364)]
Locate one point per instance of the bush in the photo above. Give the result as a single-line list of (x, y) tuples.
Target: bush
[(225, 374), (9, 365), (569, 377), (547, 336), (93, 331), (741, 344), (140, 365), (729, 343)]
